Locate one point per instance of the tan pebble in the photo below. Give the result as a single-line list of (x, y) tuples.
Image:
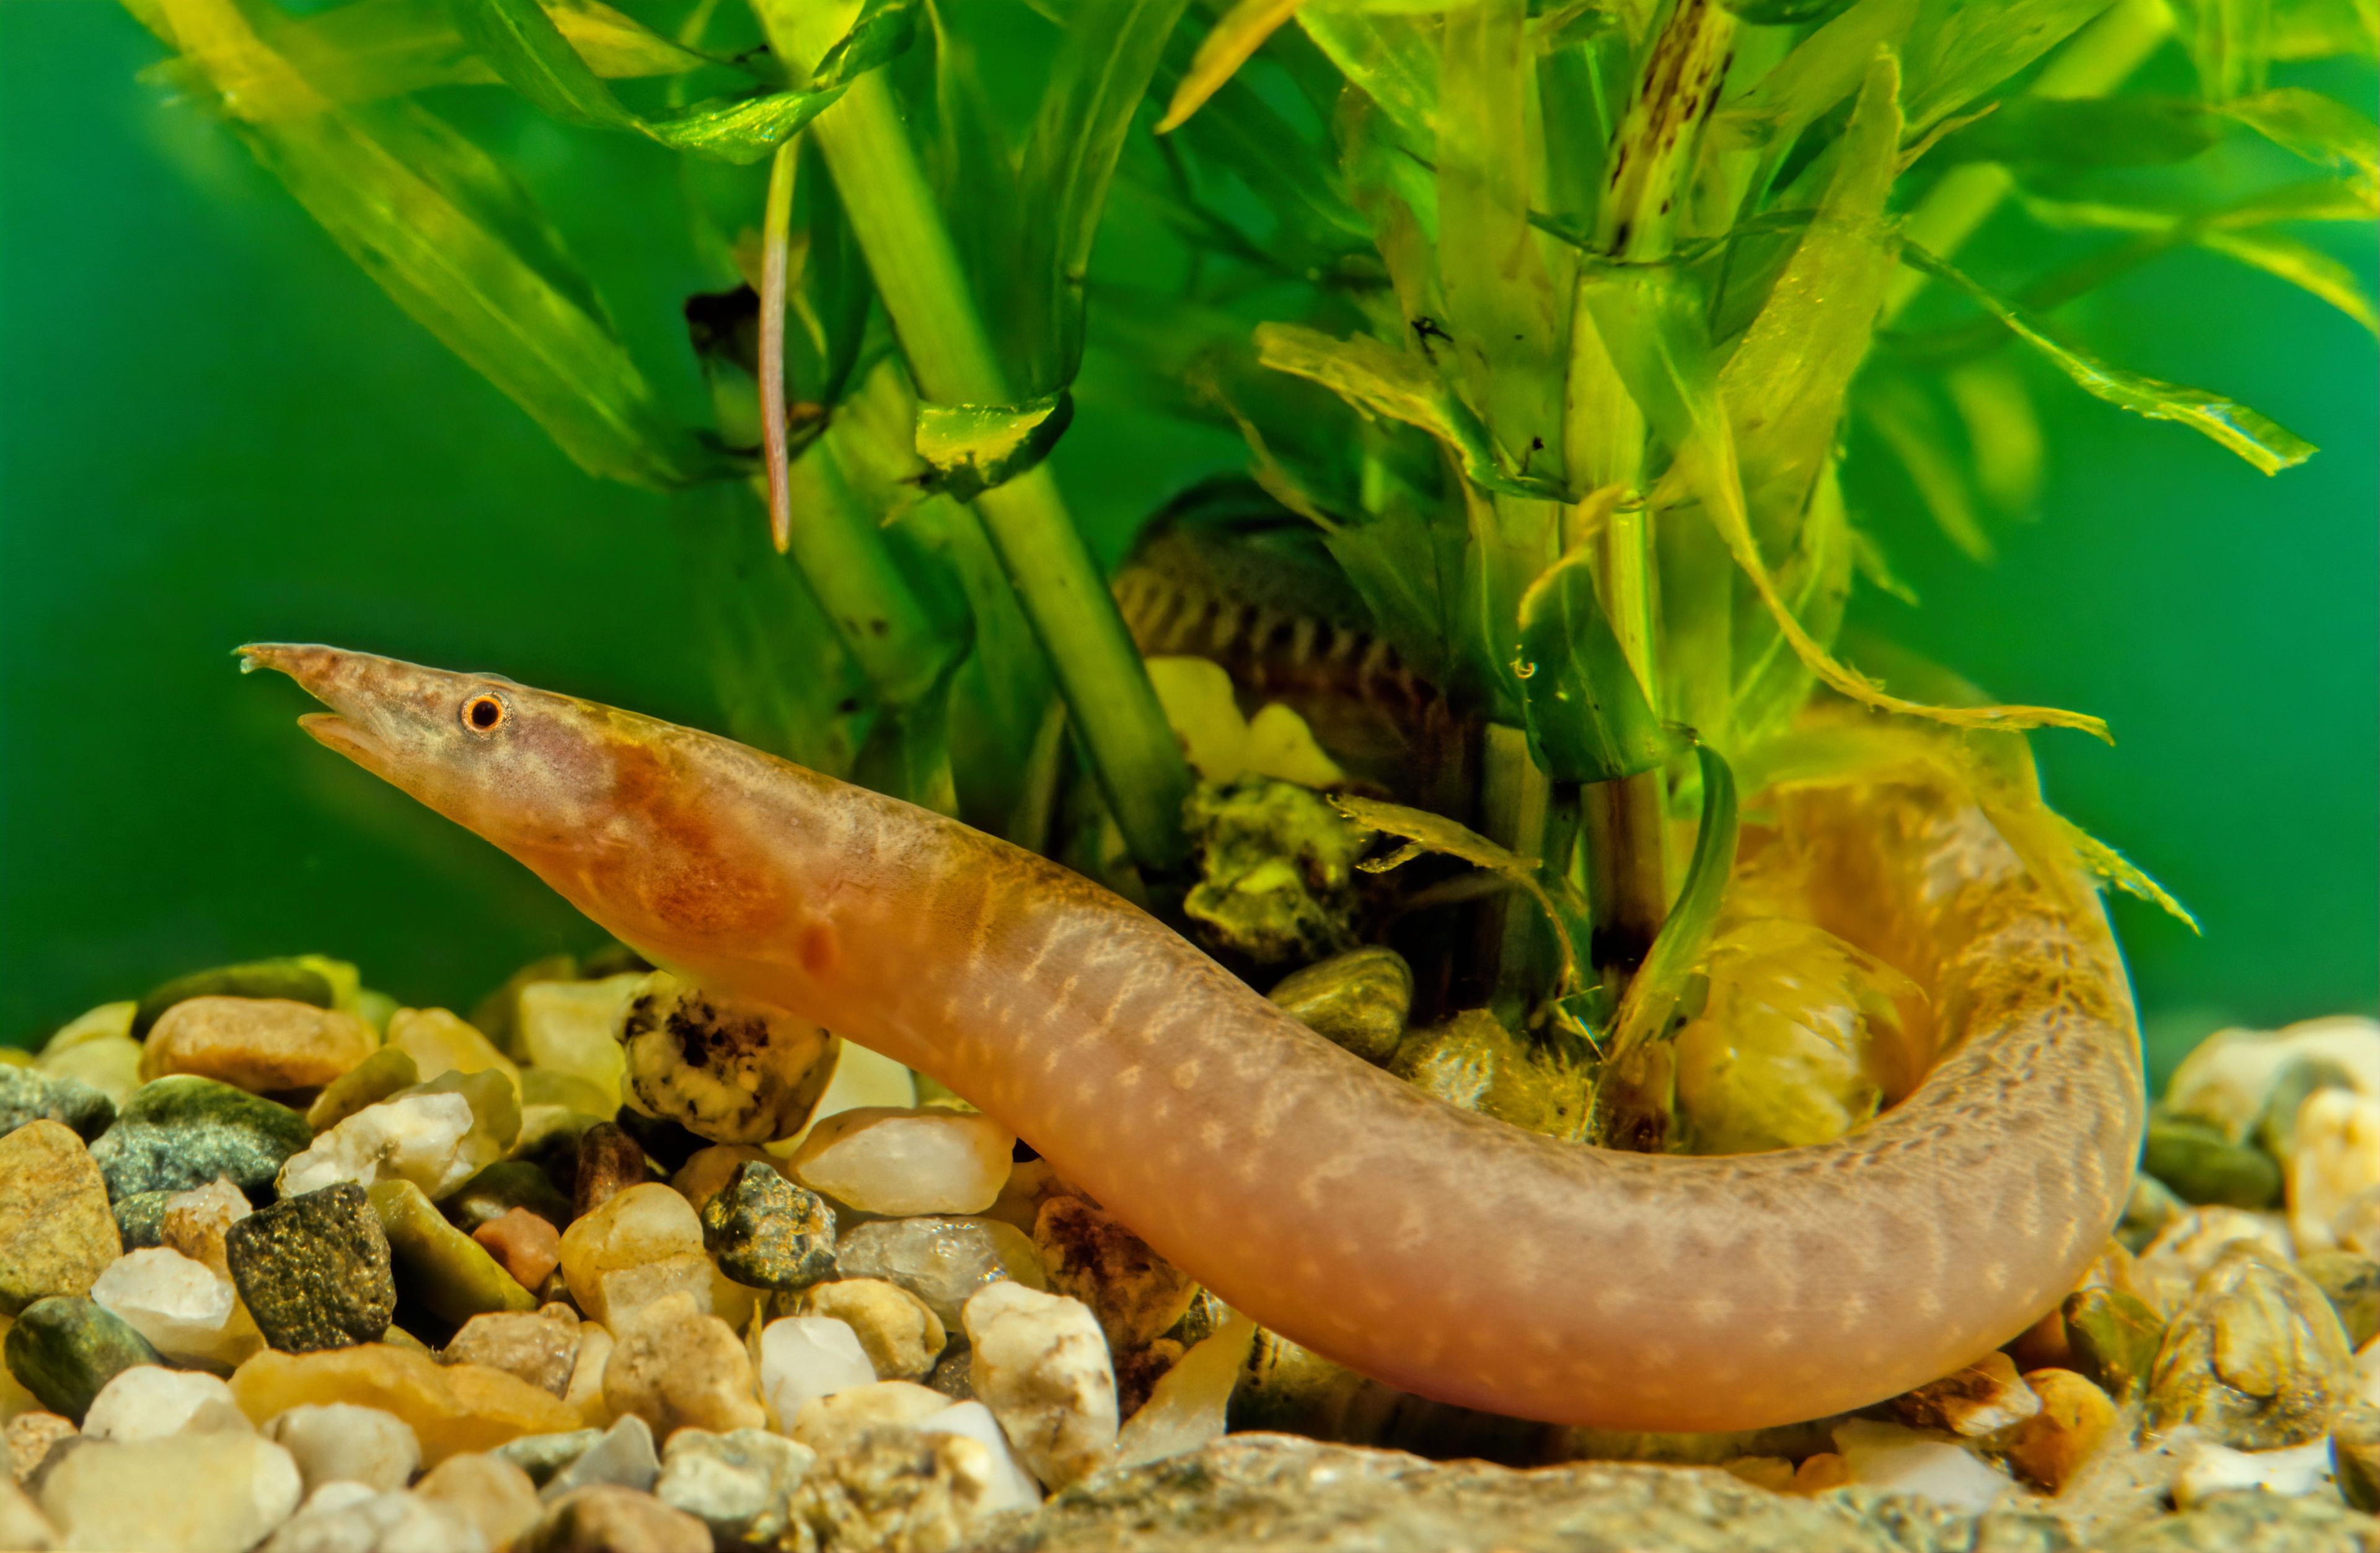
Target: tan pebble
[(196, 1222), (1821, 1471), (1982, 1399), (2256, 1359), (898, 1488), (677, 1367), (1041, 1365), (484, 1491), (702, 1177), (900, 1333), (827, 1424), (56, 1232), (537, 1349), (635, 1227), (606, 1518), (262, 1045), (1772, 1472), (528, 1246), (621, 1295), (451, 1407), (585, 1396), (1092, 1257), (30, 1437), (2076, 1419), (440, 1042)]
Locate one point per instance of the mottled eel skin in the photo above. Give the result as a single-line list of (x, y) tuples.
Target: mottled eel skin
[(1436, 1250)]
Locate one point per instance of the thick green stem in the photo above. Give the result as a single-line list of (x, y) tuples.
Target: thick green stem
[(844, 555), (1106, 686)]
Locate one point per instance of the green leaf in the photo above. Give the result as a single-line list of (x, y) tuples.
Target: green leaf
[(1395, 385), (2127, 131), (2121, 871), (1957, 51), (1646, 1013), (1235, 36), (1422, 832), (2308, 124), (1783, 13), (2270, 447), (1587, 717), (970, 448), (2232, 43), (1823, 70), (2302, 265), (1390, 60)]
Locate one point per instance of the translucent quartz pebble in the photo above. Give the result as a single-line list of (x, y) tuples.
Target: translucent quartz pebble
[(189, 1312), (392, 1522), (2335, 1158), (622, 1455), (1189, 1405), (902, 1335), (906, 1162), (414, 1137), (262, 1045), (195, 1222), (638, 1228), (572, 1028), (2193, 1243), (805, 1357), (942, 1261), (1011, 1485), (829, 1425), (339, 1442), (1041, 1365), (491, 1495), (150, 1402), (725, 1068), (1803, 1037), (2208, 1469), (735, 1483), (451, 1408), (201, 1491), (439, 1041), (677, 1367), (1904, 1460)]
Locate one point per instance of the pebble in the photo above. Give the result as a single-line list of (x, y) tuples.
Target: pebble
[(392, 1522), (437, 1267), (707, 1170), (384, 1073), (896, 1488), (1474, 1063), (768, 1233), (1974, 1402), (2203, 1166), (2208, 1469), (413, 1137), (1359, 1000), (609, 1163), (311, 979), (1010, 1486), (2192, 1243), (1092, 1257), (148, 1402), (1041, 1367), (503, 1186), (527, 1246), (260, 1044), (28, 1095), (571, 1028), (541, 1456), (2113, 1338), (829, 1425), (2336, 1159), (340, 1442), (440, 1042), (897, 1162), (726, 1068), (677, 1367), (23, 1527), (64, 1349), (30, 1437), (902, 1335), (140, 1219), (314, 1269), (2351, 1284), (637, 1228), (585, 1397), (1903, 1461), (183, 1131), (534, 1345), (2355, 1455), (110, 1064), (201, 1491), (2255, 1358), (942, 1261), (484, 1492), (189, 1312), (2228, 1078), (1191, 1402), (805, 1357), (737, 1483), (56, 1234), (608, 1520), (196, 1221), (451, 1408), (2076, 1422), (621, 1456)]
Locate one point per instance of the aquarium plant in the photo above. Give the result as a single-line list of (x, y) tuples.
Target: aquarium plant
[(1573, 349)]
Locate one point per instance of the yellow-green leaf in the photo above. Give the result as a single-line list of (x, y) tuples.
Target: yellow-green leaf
[(1236, 35)]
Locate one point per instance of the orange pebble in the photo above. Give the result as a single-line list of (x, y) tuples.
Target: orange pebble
[(528, 1247), (1820, 1472)]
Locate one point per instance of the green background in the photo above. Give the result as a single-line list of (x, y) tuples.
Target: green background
[(213, 428)]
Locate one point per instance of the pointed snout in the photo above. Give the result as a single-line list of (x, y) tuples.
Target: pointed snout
[(371, 697)]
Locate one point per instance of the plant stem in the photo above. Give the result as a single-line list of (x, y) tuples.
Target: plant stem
[(1114, 708), (844, 556)]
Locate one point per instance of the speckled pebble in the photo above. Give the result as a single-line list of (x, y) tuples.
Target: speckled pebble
[(56, 1234), (768, 1233), (183, 1131), (314, 1270), (30, 1094), (736, 1483)]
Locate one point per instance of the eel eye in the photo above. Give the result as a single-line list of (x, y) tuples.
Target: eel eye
[(485, 713)]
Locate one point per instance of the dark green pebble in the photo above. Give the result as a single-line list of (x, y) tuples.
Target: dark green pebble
[(503, 1186), (2205, 1166), (181, 1132), (27, 1095), (314, 1270), (766, 1232), (65, 1348), (140, 1219)]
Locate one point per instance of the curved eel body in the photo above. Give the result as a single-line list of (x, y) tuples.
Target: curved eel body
[(1432, 1248)]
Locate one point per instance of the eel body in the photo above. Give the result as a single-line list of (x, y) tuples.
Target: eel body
[(1433, 1249)]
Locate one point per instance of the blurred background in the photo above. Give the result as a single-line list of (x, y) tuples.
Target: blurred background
[(215, 429)]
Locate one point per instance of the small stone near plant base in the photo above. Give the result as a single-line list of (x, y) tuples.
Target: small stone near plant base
[(150, 1402), (204, 1491), (2352, 1283), (2076, 1422), (392, 1522), (2114, 1340), (737, 1483), (900, 1333), (196, 1221), (1041, 1367), (64, 1349), (384, 1073), (677, 1367), (942, 1261), (23, 1527), (901, 1162), (56, 1234), (2256, 1359), (541, 1456), (451, 1407), (1904, 1460), (1982, 1399), (768, 1233), (28, 1436), (805, 1357), (339, 1442), (260, 1044), (1092, 1257), (436, 1265), (490, 1494), (1009, 1487), (621, 1456), (532, 1345), (189, 1312), (897, 1489), (829, 1424), (1359, 999), (609, 1163), (608, 1520), (526, 1247), (28, 1095), (183, 1131), (314, 1270)]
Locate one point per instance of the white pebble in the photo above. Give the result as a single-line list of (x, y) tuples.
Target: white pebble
[(805, 1357), (148, 1402), (340, 1442), (829, 1424), (336, 1495), (2208, 1469), (885, 1160), (735, 1483), (1904, 1460), (1041, 1365), (22, 1524), (189, 1312), (415, 1137), (1011, 1485), (390, 1522), (2335, 1159), (574, 1028), (201, 1491), (2231, 1076)]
